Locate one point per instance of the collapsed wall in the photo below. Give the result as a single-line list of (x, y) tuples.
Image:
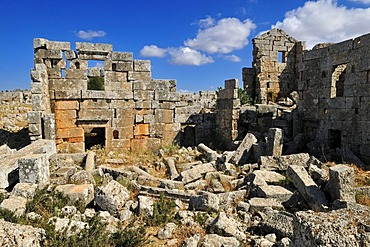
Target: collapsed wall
[(96, 96)]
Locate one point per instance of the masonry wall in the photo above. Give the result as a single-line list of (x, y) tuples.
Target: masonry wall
[(335, 95), (131, 111)]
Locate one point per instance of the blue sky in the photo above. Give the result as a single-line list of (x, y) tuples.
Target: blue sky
[(200, 43)]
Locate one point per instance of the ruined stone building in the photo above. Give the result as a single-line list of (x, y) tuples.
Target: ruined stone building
[(333, 82), (117, 105)]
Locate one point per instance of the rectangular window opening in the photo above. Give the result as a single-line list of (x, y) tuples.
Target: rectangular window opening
[(335, 138), (281, 57)]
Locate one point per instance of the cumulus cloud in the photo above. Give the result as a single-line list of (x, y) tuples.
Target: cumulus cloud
[(188, 56), (325, 21), (152, 51), (225, 36), (233, 58), (90, 34), (361, 1)]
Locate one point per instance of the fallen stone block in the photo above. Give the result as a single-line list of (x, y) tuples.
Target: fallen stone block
[(214, 240), (196, 172), (278, 222), (82, 177), (281, 163), (160, 182), (90, 161), (84, 192), (205, 202), (15, 204), (273, 191), (319, 175), (145, 206), (168, 193), (342, 183), (112, 196), (274, 142), (69, 226), (166, 232), (242, 153), (25, 190), (12, 234), (171, 166), (269, 176), (228, 227), (314, 197), (229, 199), (210, 154), (34, 169), (259, 204)]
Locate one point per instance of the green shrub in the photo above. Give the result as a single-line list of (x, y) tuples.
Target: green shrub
[(95, 83), (130, 236), (163, 212), (8, 215)]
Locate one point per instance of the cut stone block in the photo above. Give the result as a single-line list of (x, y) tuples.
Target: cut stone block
[(281, 163), (314, 197), (274, 142), (15, 204), (25, 190), (242, 153), (34, 168), (196, 172), (273, 191), (205, 202), (20, 235), (84, 192), (269, 176), (342, 183), (111, 197), (259, 204), (210, 154)]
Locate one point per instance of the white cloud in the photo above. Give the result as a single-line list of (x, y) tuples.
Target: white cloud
[(188, 56), (90, 34), (152, 51), (361, 1), (233, 58), (225, 36), (325, 21)]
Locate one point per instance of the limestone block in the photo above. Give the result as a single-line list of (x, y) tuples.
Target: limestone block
[(35, 129), (142, 65), (231, 84), (57, 45), (125, 132), (93, 72), (122, 66), (34, 168), (205, 202), (166, 95), (15, 204), (122, 56), (70, 55), (141, 129), (274, 142), (281, 163), (215, 240), (66, 105), (143, 85), (139, 76), (171, 166), (259, 204), (50, 54), (279, 222), (210, 154), (166, 232), (143, 104), (38, 75), (36, 87), (25, 190), (121, 144), (228, 227), (119, 86), (242, 153), (228, 94), (67, 94), (71, 132), (342, 183), (111, 197), (149, 118), (91, 47), (273, 191), (34, 117), (69, 85), (39, 43), (49, 126), (65, 114), (54, 73), (307, 187), (20, 235), (84, 192), (164, 116), (196, 172), (95, 114), (145, 206), (75, 74), (79, 64), (143, 95)]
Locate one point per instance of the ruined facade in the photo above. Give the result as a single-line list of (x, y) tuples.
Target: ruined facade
[(128, 109), (333, 85)]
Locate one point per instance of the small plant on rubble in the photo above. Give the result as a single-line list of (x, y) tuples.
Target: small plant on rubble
[(163, 212)]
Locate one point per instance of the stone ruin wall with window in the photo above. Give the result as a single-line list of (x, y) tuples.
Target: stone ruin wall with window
[(131, 111), (333, 82)]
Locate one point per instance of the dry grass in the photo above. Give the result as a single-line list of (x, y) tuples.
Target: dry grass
[(362, 178), (363, 198)]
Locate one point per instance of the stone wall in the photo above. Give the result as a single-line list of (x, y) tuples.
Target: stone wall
[(335, 95), (274, 72), (130, 111)]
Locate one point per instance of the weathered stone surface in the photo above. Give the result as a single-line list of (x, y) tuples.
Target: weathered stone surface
[(259, 204), (214, 240), (20, 235), (269, 176), (196, 172), (15, 204), (171, 166), (274, 142), (82, 177), (210, 154), (342, 227), (111, 197), (273, 191), (278, 222), (307, 187), (145, 206), (228, 227), (25, 190), (242, 153), (34, 168), (281, 163), (205, 202), (342, 183), (84, 192), (166, 232)]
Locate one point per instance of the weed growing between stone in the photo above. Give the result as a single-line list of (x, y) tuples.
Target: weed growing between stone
[(163, 212)]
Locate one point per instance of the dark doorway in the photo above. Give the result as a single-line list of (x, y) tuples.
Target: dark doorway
[(94, 136), (335, 138)]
